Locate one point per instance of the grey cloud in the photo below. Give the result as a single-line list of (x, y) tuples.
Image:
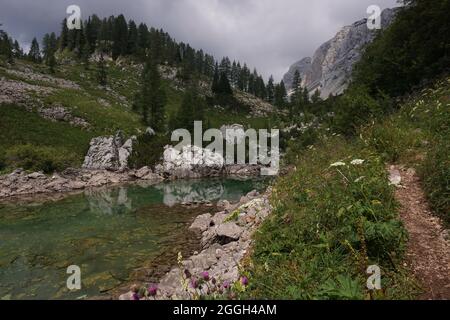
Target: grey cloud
[(269, 35)]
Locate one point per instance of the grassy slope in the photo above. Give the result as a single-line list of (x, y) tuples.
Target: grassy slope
[(24, 128), (330, 223)]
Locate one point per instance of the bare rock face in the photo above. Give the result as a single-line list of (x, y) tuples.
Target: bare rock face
[(330, 68), (109, 153), (192, 162)]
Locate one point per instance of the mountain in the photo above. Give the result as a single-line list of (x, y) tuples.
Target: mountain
[(330, 68)]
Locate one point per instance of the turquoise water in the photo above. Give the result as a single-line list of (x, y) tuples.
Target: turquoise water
[(116, 236)]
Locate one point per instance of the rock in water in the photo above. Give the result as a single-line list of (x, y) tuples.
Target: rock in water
[(109, 153), (330, 68)]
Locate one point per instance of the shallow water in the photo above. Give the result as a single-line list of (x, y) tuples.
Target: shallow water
[(115, 235)]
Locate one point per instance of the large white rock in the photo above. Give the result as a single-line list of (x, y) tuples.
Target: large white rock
[(191, 160), (109, 153)]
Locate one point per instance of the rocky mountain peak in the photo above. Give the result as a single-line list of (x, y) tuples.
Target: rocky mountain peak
[(329, 70)]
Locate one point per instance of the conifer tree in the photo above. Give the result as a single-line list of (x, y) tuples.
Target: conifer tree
[(224, 85), (64, 36), (191, 109), (34, 54), (215, 84), (270, 90), (316, 96), (151, 100)]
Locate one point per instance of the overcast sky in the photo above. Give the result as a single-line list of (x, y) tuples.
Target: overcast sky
[(267, 34)]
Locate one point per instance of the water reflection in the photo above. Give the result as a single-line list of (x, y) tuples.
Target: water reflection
[(108, 232), (183, 191), (121, 200)]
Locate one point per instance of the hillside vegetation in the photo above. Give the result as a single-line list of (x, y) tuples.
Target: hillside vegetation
[(335, 214)]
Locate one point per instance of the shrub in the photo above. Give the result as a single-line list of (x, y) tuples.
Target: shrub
[(435, 173), (148, 150), (355, 109), (394, 140), (39, 158)]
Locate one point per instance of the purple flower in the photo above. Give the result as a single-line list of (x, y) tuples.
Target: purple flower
[(226, 284), (194, 283), (152, 290), (135, 296), (205, 275), (244, 281)]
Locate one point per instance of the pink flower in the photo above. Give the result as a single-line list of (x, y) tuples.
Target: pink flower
[(244, 281), (152, 290), (205, 275)]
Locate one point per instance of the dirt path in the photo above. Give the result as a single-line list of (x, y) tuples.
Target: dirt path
[(428, 253)]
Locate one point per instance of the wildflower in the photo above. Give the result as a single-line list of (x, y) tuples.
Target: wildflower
[(337, 164), (152, 290), (194, 283), (135, 296), (357, 162), (244, 281), (226, 284), (205, 275)]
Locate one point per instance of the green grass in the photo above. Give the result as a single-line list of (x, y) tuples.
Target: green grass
[(20, 127), (328, 225), (418, 135)]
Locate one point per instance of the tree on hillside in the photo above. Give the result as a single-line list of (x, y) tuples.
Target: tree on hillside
[(151, 100), (305, 96), (270, 90), (296, 86), (120, 37), (49, 48), (216, 78), (224, 85), (34, 54), (64, 36), (132, 47), (191, 109), (101, 71), (316, 97), (280, 95), (17, 50)]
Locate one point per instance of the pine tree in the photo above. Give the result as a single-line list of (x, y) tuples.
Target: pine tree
[(120, 37), (215, 84), (270, 90), (132, 38), (305, 96), (151, 100), (224, 85), (64, 36), (280, 95), (191, 109), (296, 88), (316, 96), (34, 54), (101, 71), (17, 50)]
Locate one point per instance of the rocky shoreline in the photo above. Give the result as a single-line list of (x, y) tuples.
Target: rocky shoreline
[(226, 238), (21, 183)]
